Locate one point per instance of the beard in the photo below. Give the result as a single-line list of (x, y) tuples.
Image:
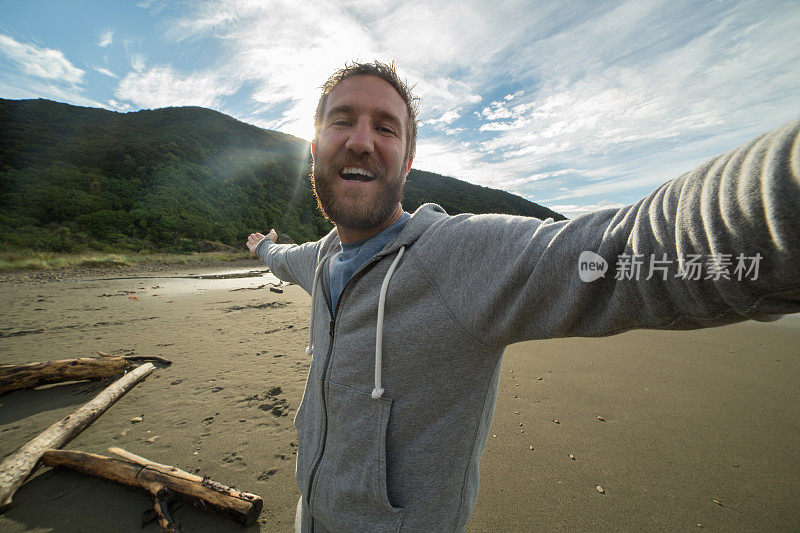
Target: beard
[(354, 210)]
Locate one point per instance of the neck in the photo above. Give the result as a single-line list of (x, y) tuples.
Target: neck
[(353, 235)]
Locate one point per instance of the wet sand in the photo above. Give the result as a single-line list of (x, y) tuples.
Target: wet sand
[(688, 417)]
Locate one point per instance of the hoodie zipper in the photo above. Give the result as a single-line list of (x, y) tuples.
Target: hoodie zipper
[(325, 413), (374, 259)]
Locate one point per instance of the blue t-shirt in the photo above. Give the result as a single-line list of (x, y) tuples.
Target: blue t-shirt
[(341, 267)]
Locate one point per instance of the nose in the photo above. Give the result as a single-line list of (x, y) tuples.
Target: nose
[(360, 140)]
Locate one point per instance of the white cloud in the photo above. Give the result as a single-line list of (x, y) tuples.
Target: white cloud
[(113, 104), (448, 158), (23, 87), (105, 72), (154, 6), (163, 87), (44, 63), (441, 93), (603, 89), (505, 126), (288, 52), (575, 210), (458, 41), (463, 161), (542, 176), (606, 188), (41, 73), (495, 111), (106, 38), (281, 50), (137, 62), (448, 118)]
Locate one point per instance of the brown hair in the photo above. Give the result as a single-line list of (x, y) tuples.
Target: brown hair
[(385, 72)]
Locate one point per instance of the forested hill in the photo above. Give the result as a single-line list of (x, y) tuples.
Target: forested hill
[(179, 179)]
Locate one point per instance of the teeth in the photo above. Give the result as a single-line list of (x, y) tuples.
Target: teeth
[(356, 170)]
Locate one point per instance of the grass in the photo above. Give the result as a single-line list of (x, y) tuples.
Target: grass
[(30, 260)]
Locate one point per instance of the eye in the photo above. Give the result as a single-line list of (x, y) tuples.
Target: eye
[(386, 129)]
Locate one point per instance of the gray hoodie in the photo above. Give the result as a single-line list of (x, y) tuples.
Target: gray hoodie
[(397, 408)]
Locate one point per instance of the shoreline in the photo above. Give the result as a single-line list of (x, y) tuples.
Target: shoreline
[(23, 275)]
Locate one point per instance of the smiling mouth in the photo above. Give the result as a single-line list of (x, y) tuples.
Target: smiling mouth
[(356, 174)]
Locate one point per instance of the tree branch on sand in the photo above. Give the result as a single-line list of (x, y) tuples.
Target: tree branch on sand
[(30, 375), (163, 482), (16, 468)]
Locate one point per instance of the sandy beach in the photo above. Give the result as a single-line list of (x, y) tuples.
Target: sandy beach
[(698, 427)]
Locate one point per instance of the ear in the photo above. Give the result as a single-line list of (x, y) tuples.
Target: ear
[(408, 167), (313, 149)]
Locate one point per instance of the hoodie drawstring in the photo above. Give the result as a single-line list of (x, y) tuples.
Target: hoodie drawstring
[(377, 392)]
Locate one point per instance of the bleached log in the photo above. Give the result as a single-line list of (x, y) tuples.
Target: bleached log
[(162, 482), (28, 376), (172, 471), (16, 468)]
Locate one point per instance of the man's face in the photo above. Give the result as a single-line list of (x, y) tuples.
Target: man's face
[(359, 154)]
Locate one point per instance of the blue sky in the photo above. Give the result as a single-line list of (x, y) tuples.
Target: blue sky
[(574, 105)]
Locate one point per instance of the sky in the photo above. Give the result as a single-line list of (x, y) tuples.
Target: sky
[(575, 105)]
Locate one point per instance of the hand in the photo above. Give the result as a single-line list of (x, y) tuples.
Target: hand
[(254, 238)]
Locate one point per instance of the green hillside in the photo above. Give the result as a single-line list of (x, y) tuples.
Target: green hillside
[(457, 196), (176, 179)]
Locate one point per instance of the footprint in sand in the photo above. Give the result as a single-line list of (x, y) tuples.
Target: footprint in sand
[(278, 407), (263, 476), (272, 403), (234, 458)]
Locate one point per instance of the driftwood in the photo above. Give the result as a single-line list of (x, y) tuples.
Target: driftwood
[(28, 376), (164, 483), (16, 468)]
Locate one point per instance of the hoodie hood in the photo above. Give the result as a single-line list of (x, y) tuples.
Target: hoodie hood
[(421, 220)]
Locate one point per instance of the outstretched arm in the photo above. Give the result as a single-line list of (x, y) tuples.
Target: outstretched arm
[(290, 262), (736, 215)]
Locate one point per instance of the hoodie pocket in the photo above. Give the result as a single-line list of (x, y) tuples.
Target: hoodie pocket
[(349, 492)]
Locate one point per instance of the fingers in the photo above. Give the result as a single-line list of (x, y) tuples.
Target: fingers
[(252, 241), (254, 238)]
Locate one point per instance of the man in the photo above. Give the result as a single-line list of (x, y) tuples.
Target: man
[(410, 315)]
